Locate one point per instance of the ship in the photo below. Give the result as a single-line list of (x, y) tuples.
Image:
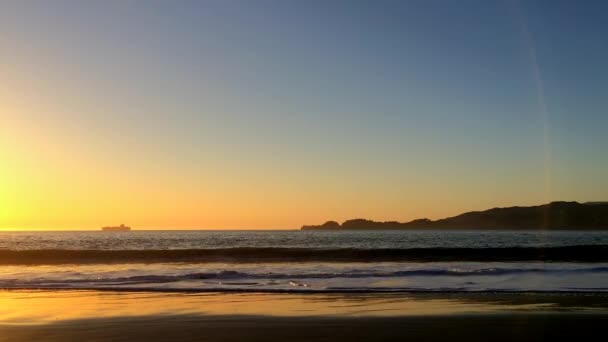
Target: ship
[(121, 228)]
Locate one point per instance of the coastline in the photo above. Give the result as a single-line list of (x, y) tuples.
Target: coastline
[(559, 215)]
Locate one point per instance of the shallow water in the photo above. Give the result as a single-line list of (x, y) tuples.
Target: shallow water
[(35, 307), (315, 277), (297, 261)]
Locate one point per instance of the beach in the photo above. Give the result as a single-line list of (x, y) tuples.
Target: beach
[(318, 286), (286, 171), (171, 316)]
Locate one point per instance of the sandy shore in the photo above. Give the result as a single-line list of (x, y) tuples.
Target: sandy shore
[(110, 316), (520, 327)]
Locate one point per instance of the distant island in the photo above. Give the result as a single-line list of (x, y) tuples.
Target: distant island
[(555, 216)]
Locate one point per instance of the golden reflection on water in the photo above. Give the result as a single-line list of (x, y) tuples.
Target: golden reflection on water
[(31, 307)]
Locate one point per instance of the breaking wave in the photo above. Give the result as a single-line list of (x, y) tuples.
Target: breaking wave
[(394, 277)]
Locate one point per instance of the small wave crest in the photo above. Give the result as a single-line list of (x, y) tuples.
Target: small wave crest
[(230, 275)]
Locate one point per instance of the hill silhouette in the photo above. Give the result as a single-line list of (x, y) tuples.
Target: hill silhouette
[(554, 215)]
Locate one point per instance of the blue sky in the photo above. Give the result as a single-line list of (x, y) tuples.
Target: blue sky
[(380, 109)]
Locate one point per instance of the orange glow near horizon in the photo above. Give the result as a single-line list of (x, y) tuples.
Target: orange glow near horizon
[(50, 180), (97, 132)]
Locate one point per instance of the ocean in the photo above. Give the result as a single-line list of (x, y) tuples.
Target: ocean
[(307, 261)]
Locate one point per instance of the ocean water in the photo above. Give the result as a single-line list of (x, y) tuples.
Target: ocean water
[(307, 261), (207, 239)]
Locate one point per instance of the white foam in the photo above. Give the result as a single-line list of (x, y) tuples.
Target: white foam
[(393, 276)]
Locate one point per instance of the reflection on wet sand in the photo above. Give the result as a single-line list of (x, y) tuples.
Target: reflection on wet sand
[(33, 307)]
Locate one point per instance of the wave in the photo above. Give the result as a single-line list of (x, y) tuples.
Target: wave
[(236, 275), (580, 253), (526, 279)]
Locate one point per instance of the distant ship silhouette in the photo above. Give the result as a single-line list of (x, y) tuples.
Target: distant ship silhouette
[(121, 228)]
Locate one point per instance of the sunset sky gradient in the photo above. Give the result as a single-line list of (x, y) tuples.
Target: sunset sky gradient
[(274, 114)]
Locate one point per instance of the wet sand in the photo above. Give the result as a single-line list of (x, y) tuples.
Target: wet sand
[(110, 316), (519, 327)]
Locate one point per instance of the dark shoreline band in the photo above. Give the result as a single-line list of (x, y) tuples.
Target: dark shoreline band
[(589, 253)]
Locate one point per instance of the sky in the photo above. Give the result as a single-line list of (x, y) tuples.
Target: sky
[(273, 114)]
